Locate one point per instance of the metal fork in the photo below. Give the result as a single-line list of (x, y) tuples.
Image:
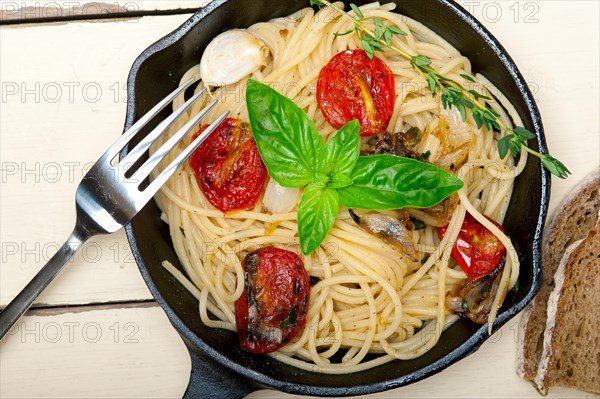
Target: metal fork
[(108, 197)]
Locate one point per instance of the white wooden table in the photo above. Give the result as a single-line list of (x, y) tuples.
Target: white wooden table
[(96, 332)]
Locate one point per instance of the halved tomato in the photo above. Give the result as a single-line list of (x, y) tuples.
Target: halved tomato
[(228, 167), (477, 251), (273, 306), (353, 86)]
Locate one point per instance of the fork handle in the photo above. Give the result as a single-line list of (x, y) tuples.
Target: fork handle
[(19, 305)]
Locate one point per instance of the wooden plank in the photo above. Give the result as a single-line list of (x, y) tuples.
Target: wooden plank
[(130, 352), (21, 12), (135, 353), (62, 106)]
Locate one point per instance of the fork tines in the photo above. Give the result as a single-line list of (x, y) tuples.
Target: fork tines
[(134, 155)]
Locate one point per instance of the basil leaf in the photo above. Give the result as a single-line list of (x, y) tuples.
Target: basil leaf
[(287, 139), (342, 151), (390, 182), (340, 180), (317, 211), (320, 180)]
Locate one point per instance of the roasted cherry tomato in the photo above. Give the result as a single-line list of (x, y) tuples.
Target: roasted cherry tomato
[(353, 86), (228, 167), (477, 251), (273, 306)]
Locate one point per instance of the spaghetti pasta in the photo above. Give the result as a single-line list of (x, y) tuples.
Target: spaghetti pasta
[(371, 304)]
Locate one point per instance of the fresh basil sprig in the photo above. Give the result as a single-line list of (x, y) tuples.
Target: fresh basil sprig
[(335, 174)]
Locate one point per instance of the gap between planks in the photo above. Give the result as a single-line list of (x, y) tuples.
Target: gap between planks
[(51, 310), (20, 14)]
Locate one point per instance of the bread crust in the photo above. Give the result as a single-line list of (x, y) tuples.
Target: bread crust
[(571, 338), (559, 280), (577, 214)]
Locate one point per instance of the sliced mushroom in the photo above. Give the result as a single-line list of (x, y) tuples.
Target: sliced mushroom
[(438, 215), (394, 231), (474, 299), (402, 144)]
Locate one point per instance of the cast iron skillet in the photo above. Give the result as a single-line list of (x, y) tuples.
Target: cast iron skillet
[(219, 368)]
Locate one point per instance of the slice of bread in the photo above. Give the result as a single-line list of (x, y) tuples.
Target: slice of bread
[(571, 222), (571, 346)]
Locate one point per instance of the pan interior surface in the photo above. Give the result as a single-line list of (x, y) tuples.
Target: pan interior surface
[(157, 72)]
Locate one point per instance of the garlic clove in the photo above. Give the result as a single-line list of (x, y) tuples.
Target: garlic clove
[(231, 56), (278, 199), (454, 131)]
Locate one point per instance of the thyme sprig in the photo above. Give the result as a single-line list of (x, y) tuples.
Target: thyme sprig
[(451, 92), (381, 37)]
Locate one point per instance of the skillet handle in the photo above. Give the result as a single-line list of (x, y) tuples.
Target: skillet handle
[(210, 380)]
